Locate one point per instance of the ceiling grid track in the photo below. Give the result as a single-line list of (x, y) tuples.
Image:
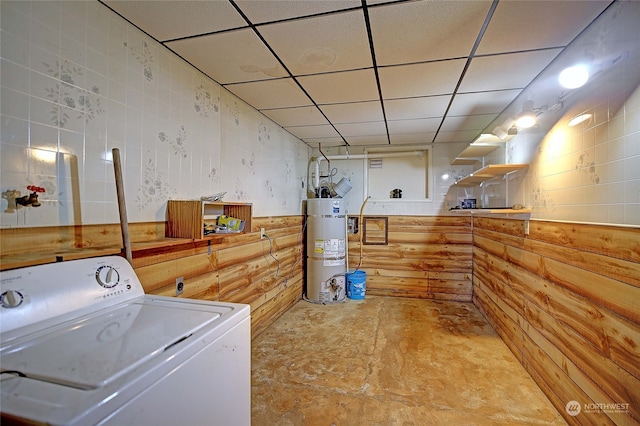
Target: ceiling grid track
[(483, 29), (364, 73), (300, 86), (367, 22)]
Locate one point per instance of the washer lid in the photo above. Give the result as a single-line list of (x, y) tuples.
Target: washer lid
[(91, 352)]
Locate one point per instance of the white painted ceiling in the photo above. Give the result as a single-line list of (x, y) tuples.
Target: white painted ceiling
[(369, 72)]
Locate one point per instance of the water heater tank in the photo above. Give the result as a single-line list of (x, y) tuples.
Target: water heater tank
[(326, 250)]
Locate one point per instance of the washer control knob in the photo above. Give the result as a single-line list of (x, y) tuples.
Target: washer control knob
[(11, 299), (107, 276)]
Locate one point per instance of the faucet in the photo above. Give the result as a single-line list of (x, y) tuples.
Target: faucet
[(31, 199), (26, 200)]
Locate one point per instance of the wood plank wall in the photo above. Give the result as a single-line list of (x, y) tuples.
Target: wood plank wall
[(566, 300), (265, 273), (236, 268), (428, 257), (20, 247)]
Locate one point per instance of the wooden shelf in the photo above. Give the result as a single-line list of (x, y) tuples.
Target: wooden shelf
[(42, 245), (40, 258), (186, 219), (489, 172), (490, 211), (31, 259)]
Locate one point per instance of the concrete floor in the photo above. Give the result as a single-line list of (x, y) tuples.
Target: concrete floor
[(390, 361)]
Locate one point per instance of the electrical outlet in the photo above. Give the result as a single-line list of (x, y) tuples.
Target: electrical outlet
[(263, 234), (179, 285)]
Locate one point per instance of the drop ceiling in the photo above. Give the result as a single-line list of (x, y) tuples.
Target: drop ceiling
[(369, 72)]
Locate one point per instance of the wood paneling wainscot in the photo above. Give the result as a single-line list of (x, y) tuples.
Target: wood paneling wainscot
[(20, 247), (566, 300), (264, 273), (243, 268), (426, 257)]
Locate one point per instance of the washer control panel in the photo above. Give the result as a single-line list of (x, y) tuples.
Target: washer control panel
[(38, 293), (11, 299), (107, 276)]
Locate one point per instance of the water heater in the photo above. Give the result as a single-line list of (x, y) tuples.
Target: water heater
[(326, 250)]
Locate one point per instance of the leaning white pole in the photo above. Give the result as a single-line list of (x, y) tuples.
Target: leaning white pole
[(122, 207)]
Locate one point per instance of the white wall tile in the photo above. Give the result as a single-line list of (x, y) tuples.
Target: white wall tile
[(14, 131), (14, 20), (14, 48), (44, 37), (616, 193), (43, 136), (632, 192), (14, 104), (616, 213), (632, 146), (126, 89), (71, 143), (631, 213)]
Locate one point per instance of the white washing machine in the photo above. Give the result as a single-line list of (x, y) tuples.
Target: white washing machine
[(81, 344)]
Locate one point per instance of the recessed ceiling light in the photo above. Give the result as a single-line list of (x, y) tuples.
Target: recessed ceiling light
[(574, 77)]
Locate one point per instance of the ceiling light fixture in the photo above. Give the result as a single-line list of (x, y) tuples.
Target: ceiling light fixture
[(527, 118), (505, 135), (500, 132), (574, 76), (487, 138), (579, 119)]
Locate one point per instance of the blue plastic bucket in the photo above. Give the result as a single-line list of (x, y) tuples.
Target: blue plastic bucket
[(356, 284)]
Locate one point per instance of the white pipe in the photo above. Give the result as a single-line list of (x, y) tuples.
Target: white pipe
[(317, 177), (368, 155), (327, 158)]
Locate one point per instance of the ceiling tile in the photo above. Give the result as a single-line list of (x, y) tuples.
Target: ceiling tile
[(482, 102), (270, 94), (322, 44), (348, 86), (509, 71), (168, 20), (425, 31), (525, 25), (301, 116), (424, 107), (412, 138), (362, 129), (431, 78), (308, 132), (353, 112), (276, 10), (462, 136), (230, 57), (467, 122), (324, 142), (326, 77), (368, 140), (414, 126)]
